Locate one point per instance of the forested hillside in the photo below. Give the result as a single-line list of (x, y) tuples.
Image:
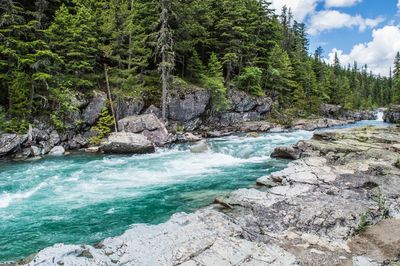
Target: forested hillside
[(50, 50)]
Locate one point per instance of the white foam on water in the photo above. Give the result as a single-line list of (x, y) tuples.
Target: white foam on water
[(111, 177), (7, 198)]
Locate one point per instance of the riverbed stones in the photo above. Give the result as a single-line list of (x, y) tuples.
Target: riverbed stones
[(127, 143)]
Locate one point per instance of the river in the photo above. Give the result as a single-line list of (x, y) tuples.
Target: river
[(85, 198)]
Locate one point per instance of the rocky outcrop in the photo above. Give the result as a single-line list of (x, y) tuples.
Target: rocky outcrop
[(392, 115), (338, 112), (315, 213), (149, 126), (128, 107), (187, 106), (126, 143), (11, 142), (361, 115), (243, 102), (190, 109), (331, 110), (243, 108), (91, 113)]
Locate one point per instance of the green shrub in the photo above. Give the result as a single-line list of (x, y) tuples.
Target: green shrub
[(250, 81), (64, 103), (362, 225), (103, 126), (218, 92)]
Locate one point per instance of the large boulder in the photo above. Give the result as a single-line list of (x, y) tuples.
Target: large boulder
[(331, 111), (128, 107), (392, 115), (57, 151), (127, 143), (93, 110), (11, 142), (187, 106), (285, 153), (148, 125)]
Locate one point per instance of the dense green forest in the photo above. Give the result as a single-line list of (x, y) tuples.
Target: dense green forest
[(50, 50)]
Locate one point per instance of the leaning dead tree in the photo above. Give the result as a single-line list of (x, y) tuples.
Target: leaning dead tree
[(165, 52)]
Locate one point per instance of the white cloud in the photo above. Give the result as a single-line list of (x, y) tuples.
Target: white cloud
[(341, 3), (377, 54), (300, 8), (398, 5), (333, 19)]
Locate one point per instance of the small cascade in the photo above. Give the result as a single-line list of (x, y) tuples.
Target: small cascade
[(379, 116)]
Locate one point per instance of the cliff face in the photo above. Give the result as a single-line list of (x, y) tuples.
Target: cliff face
[(189, 110), (337, 204), (392, 115)]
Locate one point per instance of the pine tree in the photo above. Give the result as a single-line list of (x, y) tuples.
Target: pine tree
[(103, 126), (396, 79), (214, 81), (280, 75), (26, 63), (73, 38), (195, 67)]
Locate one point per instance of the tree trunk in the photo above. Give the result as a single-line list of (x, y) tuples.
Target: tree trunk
[(110, 97), (130, 42), (164, 47)]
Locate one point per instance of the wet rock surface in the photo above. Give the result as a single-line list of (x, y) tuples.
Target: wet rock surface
[(329, 207)]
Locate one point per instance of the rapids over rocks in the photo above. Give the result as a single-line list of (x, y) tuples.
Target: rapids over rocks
[(85, 198)]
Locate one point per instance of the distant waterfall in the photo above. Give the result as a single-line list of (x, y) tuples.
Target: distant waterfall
[(379, 116)]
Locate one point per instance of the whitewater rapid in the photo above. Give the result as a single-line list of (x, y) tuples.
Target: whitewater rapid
[(85, 198)]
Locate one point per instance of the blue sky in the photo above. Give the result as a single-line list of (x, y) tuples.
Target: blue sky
[(363, 30)]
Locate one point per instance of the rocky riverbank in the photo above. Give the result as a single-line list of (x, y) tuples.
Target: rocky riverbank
[(190, 118), (338, 204), (392, 114)]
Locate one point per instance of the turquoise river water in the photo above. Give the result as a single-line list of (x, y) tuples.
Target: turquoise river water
[(85, 198)]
